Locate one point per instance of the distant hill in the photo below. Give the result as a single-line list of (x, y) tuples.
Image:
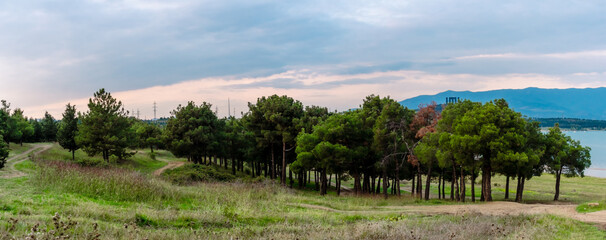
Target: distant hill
[(587, 103)]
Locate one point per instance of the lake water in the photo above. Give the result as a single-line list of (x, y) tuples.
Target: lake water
[(596, 140)]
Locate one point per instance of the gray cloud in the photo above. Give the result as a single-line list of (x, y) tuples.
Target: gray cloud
[(54, 51)]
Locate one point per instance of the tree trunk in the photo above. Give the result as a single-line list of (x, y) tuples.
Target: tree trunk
[(378, 188), (462, 185), (273, 163), (233, 164), (73, 155), (324, 187), (302, 176), (557, 186), (518, 190), (372, 184), (473, 185), (283, 162), (454, 194), (338, 178), (522, 188), (428, 181), (457, 192), (385, 180), (507, 188), (440, 186), (452, 188), (412, 190), (366, 184), (151, 148), (357, 187), (316, 180), (486, 188), (396, 185), (329, 180), (443, 185), (419, 181)]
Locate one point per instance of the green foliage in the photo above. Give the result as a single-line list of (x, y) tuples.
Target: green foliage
[(4, 150), (105, 127), (274, 120), (5, 118), (49, 128), (19, 128), (192, 131), (565, 155), (68, 129), (191, 173)]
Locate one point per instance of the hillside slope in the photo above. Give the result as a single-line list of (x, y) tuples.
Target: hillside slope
[(584, 103)]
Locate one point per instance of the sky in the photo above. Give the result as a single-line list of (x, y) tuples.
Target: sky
[(327, 53)]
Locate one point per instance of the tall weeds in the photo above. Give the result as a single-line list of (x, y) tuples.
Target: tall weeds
[(104, 183)]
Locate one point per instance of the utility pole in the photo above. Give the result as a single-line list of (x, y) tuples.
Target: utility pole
[(138, 114), (228, 108)]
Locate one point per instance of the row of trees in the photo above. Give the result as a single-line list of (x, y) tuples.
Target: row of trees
[(15, 127), (104, 128), (378, 145)]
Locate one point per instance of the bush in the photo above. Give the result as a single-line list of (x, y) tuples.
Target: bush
[(197, 173)]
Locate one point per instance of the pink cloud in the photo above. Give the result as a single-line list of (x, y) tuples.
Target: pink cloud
[(338, 92)]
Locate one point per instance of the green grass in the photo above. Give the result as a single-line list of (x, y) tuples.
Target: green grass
[(128, 204), (141, 161), (26, 166), (16, 149), (585, 208), (537, 189), (105, 183)]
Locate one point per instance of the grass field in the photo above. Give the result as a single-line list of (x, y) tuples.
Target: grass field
[(125, 201)]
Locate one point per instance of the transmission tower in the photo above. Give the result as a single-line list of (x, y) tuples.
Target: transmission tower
[(155, 110)]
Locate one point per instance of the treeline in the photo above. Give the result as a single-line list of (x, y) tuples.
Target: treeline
[(377, 145), (15, 127), (573, 123)]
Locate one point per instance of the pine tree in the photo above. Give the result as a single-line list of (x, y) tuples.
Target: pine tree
[(68, 129), (3, 152), (49, 128), (105, 127)]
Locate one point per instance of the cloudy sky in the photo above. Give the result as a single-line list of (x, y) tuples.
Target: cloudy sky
[(329, 53)]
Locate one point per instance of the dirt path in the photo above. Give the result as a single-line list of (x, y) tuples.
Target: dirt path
[(9, 170), (492, 208), (170, 165)]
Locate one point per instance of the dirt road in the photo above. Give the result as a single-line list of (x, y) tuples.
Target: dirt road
[(170, 165), (9, 170)]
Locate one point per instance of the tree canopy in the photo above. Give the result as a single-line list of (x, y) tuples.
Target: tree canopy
[(105, 127)]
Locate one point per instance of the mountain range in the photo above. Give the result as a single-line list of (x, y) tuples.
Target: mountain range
[(585, 103)]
